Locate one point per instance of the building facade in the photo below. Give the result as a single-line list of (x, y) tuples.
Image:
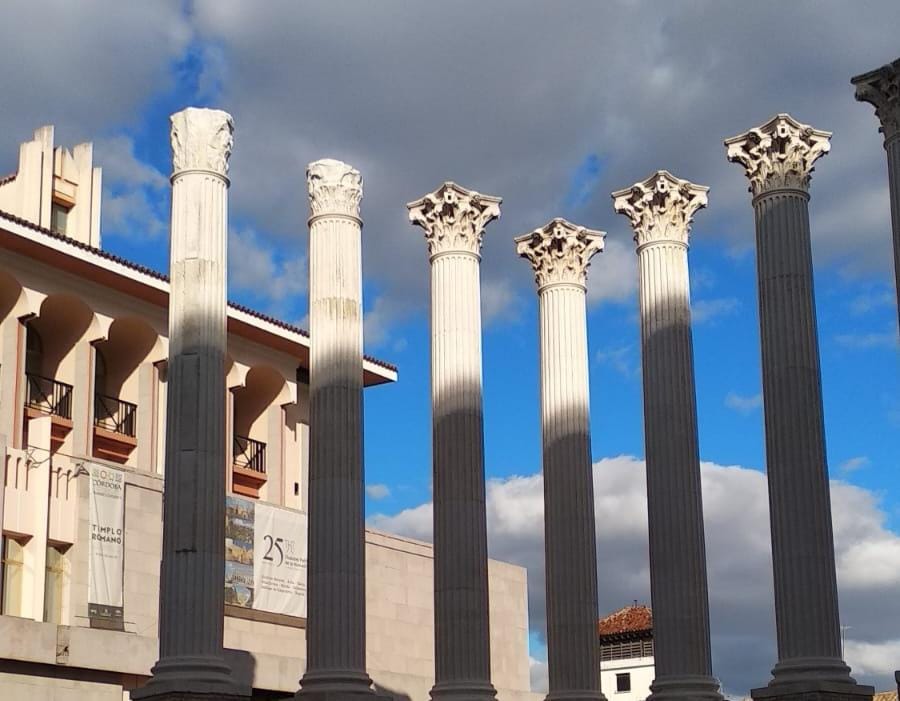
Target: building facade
[(83, 351), (626, 653)]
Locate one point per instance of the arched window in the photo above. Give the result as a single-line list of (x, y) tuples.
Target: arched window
[(34, 350), (99, 371)]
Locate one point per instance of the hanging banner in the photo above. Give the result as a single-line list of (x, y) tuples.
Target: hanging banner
[(106, 554), (265, 557)]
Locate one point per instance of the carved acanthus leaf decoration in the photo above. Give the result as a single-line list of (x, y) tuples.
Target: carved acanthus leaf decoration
[(560, 252), (661, 208), (454, 218), (201, 140), (779, 154), (334, 188), (881, 88)]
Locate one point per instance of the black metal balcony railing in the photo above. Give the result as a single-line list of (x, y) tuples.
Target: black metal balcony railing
[(250, 454), (115, 415), (48, 396)]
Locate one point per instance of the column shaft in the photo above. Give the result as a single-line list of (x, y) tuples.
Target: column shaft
[(892, 147), (573, 647), (800, 507), (675, 509), (462, 641)]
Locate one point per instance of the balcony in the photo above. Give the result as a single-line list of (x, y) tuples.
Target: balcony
[(45, 396), (114, 428), (248, 466)]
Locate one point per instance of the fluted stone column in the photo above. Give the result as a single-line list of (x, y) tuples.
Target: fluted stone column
[(559, 254), (191, 607), (778, 158), (660, 210), (454, 219), (881, 88), (336, 619)]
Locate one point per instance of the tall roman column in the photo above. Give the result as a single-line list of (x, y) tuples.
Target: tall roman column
[(454, 219), (559, 254), (661, 209), (336, 619), (191, 604), (778, 158), (881, 88)]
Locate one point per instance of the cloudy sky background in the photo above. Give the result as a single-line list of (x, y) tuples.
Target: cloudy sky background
[(551, 106)]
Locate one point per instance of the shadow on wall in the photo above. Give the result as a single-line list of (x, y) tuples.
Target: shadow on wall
[(384, 693)]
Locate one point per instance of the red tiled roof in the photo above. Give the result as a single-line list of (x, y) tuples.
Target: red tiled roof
[(631, 619), (8, 178), (160, 276)]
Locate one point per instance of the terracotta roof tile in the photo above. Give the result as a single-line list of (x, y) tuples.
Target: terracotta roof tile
[(8, 178), (631, 619), (160, 276)]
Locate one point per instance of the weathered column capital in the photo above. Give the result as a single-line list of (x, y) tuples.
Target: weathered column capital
[(201, 140), (454, 218), (881, 88), (778, 155), (661, 208), (560, 252), (334, 188)]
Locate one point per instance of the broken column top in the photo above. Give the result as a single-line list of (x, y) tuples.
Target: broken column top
[(201, 140)]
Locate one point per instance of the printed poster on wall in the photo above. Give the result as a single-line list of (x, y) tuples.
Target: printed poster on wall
[(106, 553), (265, 557)]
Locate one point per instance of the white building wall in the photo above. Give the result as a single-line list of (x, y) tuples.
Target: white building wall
[(642, 673)]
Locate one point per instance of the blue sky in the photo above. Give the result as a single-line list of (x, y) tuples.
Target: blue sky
[(552, 111)]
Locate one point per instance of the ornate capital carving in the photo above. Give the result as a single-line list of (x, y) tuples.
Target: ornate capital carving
[(560, 252), (779, 154), (334, 188), (201, 140), (454, 218), (881, 88), (661, 208)]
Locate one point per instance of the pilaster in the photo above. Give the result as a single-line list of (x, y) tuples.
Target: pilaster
[(453, 219), (559, 254), (660, 210)]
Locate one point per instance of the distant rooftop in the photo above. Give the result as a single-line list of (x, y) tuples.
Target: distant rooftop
[(630, 620)]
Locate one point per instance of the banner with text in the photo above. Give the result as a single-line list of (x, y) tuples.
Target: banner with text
[(106, 554), (265, 557)]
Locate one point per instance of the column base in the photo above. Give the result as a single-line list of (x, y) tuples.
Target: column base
[(200, 678), (812, 679), (685, 686), (335, 686), (576, 695), (463, 691)]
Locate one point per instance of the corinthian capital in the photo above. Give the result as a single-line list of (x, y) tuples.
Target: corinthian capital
[(454, 218), (201, 140), (560, 252), (779, 154), (334, 188), (881, 88), (661, 208)]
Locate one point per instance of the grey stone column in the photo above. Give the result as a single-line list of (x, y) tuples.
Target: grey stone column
[(881, 88), (660, 210), (191, 608), (559, 254), (336, 619), (778, 158), (454, 219)]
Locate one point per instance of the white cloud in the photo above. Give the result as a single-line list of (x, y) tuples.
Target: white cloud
[(872, 300), (738, 553), (853, 464), (743, 404), (866, 341), (706, 310), (378, 491), (621, 359), (256, 268), (540, 681)]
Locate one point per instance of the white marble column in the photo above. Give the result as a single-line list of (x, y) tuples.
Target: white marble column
[(778, 159), (454, 219), (660, 210), (191, 608), (559, 254), (336, 619), (881, 88)]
